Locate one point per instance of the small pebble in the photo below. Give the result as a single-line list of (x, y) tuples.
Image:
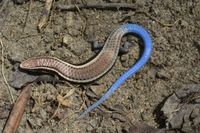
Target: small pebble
[(120, 107), (197, 44), (163, 75), (67, 39), (19, 1), (117, 116), (125, 60), (113, 1), (144, 128)]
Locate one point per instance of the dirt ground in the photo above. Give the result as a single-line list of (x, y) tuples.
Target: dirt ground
[(174, 62)]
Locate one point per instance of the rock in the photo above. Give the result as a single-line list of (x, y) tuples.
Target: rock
[(182, 110), (117, 116), (144, 128), (19, 78)]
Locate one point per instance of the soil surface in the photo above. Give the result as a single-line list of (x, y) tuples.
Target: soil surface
[(174, 62)]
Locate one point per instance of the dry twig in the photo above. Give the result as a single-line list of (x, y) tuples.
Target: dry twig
[(27, 16), (3, 75), (45, 15), (109, 6), (18, 110)]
